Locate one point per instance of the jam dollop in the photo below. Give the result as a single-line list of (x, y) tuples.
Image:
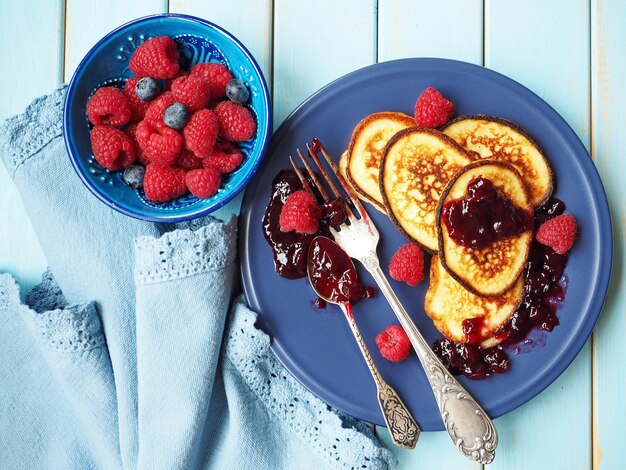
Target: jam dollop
[(332, 272), (484, 216), (543, 291), (290, 248)]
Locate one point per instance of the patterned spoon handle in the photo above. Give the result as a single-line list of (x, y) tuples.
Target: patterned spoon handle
[(401, 425)]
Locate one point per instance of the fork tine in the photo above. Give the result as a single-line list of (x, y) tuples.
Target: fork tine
[(316, 181), (323, 171), (303, 180), (349, 191)]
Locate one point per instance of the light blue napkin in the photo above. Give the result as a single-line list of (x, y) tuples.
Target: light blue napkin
[(126, 357)]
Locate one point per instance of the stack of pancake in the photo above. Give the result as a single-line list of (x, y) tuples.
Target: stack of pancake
[(410, 173)]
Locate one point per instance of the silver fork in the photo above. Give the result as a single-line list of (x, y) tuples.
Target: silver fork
[(469, 427)]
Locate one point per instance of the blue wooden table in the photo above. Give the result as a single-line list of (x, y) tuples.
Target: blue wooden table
[(571, 53)]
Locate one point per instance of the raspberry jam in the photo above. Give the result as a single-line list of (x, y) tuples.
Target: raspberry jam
[(484, 216), (543, 292), (333, 274), (290, 248), (334, 212)]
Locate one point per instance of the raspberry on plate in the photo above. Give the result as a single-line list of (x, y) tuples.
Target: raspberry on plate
[(217, 76), (203, 183), (164, 183), (192, 91), (226, 157), (301, 213), (188, 160), (138, 106), (393, 343), (236, 122), (112, 148), (160, 143), (432, 109), (157, 108), (558, 233), (108, 106), (407, 264), (200, 133), (156, 58)]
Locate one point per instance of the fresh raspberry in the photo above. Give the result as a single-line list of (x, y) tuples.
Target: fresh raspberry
[(558, 233), (236, 121), (108, 106), (169, 81), (192, 91), (137, 106), (112, 148), (160, 143), (432, 109), (155, 111), (156, 58), (217, 75), (164, 183), (226, 157), (407, 264), (201, 133), (393, 343), (188, 161), (300, 213), (203, 183), (141, 157)]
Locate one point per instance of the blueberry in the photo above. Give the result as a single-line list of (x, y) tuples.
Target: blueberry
[(176, 116), (237, 92), (147, 89), (133, 176)]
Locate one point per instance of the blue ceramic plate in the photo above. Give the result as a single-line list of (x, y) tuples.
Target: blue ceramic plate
[(107, 64), (317, 346)]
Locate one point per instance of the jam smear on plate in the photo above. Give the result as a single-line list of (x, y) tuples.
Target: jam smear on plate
[(290, 248), (543, 292), (484, 216)]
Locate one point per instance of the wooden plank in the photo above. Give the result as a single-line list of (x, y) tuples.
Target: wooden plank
[(254, 29), (608, 97), (317, 42), (421, 28), (26, 26), (545, 46), (448, 28), (87, 22)]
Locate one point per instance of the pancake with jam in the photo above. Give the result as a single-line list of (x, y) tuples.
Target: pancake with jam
[(485, 226), (365, 150), (416, 165), (502, 140), (461, 316)]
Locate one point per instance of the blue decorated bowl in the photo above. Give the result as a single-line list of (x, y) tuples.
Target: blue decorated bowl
[(107, 64)]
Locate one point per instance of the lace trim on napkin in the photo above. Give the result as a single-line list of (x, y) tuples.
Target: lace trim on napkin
[(64, 329), (185, 252), (24, 135), (337, 438)]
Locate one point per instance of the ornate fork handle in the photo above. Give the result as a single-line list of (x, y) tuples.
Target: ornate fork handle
[(402, 427), (469, 427)]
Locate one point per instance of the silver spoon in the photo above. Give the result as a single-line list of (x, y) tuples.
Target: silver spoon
[(402, 427)]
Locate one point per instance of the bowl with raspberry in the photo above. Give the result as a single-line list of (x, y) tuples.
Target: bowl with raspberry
[(167, 118)]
